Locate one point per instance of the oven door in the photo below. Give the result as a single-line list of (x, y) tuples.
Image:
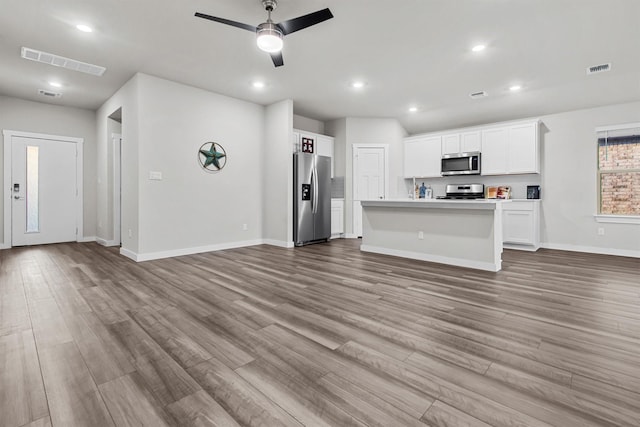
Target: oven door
[(460, 164)]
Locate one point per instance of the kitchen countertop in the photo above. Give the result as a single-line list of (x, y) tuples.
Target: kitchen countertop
[(489, 204)]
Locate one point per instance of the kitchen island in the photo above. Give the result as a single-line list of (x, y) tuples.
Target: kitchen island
[(465, 233)]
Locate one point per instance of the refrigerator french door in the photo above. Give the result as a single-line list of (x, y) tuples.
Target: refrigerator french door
[(312, 198)]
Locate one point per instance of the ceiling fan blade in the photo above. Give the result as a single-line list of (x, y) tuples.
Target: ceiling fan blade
[(227, 21), (277, 59), (302, 22)]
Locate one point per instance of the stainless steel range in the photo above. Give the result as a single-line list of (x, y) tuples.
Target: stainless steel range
[(464, 191)]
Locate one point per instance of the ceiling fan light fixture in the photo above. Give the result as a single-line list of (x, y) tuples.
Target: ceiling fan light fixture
[(269, 37)]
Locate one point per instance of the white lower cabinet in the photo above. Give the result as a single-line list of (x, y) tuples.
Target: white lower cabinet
[(521, 224), (337, 218)]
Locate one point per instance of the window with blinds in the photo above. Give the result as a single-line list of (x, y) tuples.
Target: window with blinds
[(619, 170)]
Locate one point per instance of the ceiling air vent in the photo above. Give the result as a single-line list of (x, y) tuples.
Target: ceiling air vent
[(61, 61), (476, 95), (49, 94), (599, 68)]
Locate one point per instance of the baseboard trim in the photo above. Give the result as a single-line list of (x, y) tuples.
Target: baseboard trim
[(279, 243), (105, 242), (3, 246), (351, 236), (87, 239), (526, 248), (592, 250), (150, 256), (478, 265)]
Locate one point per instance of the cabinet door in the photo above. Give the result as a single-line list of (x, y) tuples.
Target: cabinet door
[(518, 227), (337, 217), (523, 149), (470, 142), (422, 157), (494, 151), (451, 144)]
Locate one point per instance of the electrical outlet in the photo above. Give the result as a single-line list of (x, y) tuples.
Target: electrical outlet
[(420, 235), (99, 224), (245, 227), (130, 233), (600, 231)]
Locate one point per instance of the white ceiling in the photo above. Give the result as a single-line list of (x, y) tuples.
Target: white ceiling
[(410, 52)]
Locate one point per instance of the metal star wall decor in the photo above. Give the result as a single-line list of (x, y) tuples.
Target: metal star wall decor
[(212, 156)]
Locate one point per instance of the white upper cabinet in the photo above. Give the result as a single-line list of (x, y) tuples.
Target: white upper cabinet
[(470, 142), (422, 157), (493, 160), (464, 142), (523, 149), (512, 149), (322, 144), (451, 143)]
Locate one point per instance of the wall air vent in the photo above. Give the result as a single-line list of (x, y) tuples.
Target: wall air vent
[(476, 95), (49, 94), (599, 68), (60, 61)]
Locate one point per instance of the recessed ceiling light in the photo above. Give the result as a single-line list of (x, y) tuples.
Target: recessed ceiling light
[(55, 84), (478, 48), (84, 28), (413, 109), (515, 88), (357, 84), (258, 84)]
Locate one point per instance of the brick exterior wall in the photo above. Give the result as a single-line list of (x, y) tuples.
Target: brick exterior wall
[(620, 191)]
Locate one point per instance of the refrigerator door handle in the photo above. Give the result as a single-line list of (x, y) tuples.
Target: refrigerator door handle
[(314, 178)]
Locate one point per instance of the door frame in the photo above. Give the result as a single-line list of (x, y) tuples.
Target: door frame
[(354, 173), (7, 142), (116, 140)]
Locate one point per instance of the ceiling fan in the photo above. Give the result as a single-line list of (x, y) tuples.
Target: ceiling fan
[(268, 34)]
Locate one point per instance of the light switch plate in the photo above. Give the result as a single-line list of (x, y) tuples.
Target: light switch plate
[(155, 176)]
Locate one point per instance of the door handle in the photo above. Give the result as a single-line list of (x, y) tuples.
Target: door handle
[(314, 177), (18, 197)]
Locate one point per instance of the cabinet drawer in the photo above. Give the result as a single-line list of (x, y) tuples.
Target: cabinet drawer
[(518, 206)]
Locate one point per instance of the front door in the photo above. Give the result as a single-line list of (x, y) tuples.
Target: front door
[(369, 179), (44, 191)]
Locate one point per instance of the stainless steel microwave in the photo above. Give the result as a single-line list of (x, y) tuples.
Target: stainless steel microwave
[(461, 164)]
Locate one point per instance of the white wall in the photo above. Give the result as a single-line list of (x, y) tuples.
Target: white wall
[(127, 99), (191, 209), (310, 125), (569, 184), (277, 179), (28, 116), (373, 131)]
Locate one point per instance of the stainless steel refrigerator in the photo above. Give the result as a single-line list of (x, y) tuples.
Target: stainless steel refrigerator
[(312, 198)]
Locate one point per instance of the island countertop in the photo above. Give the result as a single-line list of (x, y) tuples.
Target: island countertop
[(490, 204)]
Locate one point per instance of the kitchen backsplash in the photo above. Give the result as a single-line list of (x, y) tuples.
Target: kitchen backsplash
[(518, 183), (337, 187)]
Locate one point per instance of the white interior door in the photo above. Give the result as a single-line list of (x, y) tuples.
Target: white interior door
[(44, 191), (369, 177)]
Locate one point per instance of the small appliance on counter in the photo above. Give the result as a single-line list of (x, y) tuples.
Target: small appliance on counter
[(464, 191), (533, 191)]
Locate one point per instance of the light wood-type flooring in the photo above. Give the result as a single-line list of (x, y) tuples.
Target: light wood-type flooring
[(317, 336)]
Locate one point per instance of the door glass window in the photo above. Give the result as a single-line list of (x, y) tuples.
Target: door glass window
[(33, 214)]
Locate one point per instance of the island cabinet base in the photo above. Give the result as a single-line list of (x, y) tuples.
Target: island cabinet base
[(465, 234)]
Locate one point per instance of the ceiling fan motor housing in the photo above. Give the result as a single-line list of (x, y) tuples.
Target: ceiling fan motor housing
[(270, 5)]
